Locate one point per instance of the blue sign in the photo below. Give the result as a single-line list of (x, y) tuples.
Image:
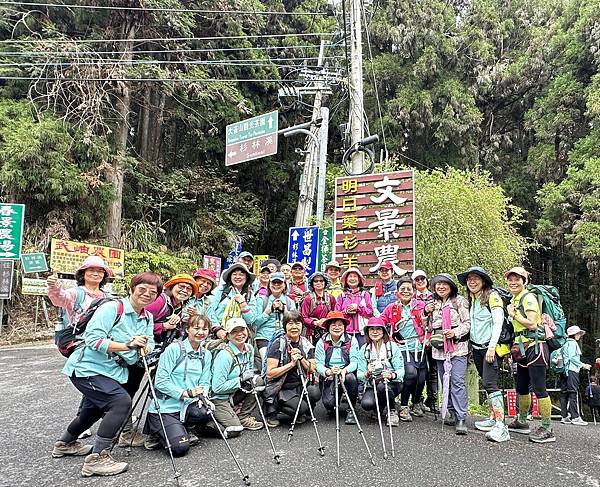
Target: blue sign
[(303, 244), (235, 251)]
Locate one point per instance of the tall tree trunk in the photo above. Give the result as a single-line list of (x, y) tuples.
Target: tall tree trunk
[(123, 105), (143, 123)]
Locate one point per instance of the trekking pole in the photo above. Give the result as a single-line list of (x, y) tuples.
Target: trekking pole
[(387, 400), (590, 396), (211, 413), (385, 455), (125, 421), (255, 390), (360, 430), (176, 474), (145, 391), (321, 448), (337, 418), (293, 425)]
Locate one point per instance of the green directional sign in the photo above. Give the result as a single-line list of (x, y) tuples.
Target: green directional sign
[(12, 217), (325, 248), (34, 262), (252, 138)]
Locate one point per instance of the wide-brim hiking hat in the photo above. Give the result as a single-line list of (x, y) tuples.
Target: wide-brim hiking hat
[(318, 274), (185, 279), (207, 274), (487, 280), (233, 323), (519, 271), (356, 270), (333, 263), (94, 261), (333, 316), (245, 255), (444, 277), (375, 322), (574, 330), (238, 266)]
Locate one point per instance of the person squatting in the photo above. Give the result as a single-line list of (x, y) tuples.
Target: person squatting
[(246, 353)]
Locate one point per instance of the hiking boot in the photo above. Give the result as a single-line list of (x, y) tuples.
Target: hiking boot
[(417, 410), (86, 434), (102, 464), (393, 418), (301, 419), (542, 435), (498, 433), (152, 442), (193, 439), (485, 425), (350, 419), (517, 427), (461, 427), (579, 422), (73, 449), (273, 422), (251, 424), (450, 419), (565, 420), (405, 414), (133, 438)]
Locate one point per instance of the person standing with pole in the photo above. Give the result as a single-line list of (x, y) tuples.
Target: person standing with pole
[(99, 370)]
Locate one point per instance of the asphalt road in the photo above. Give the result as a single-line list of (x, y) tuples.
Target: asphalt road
[(37, 402)]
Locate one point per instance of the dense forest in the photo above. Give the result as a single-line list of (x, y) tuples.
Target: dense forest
[(112, 119)]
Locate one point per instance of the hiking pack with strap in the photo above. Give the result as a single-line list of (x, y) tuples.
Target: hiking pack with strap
[(284, 298), (216, 347), (557, 361), (330, 347), (71, 338), (388, 352), (77, 307), (181, 358), (553, 326), (305, 345), (507, 334), (313, 302)]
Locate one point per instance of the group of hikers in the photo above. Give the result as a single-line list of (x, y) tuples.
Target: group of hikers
[(247, 352)]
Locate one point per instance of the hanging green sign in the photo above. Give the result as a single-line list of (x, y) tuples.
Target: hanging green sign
[(325, 248), (34, 262), (12, 217)]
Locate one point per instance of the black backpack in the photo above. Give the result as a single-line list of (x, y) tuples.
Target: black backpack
[(507, 335), (71, 338)]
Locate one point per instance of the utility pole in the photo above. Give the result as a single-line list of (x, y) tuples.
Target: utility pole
[(323, 133), (309, 173), (357, 131)]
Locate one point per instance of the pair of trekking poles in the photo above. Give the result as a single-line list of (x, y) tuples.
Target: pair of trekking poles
[(337, 384)]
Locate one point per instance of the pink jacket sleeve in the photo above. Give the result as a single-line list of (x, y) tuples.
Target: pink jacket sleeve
[(154, 308), (386, 315), (339, 304), (367, 309), (306, 312), (62, 298)]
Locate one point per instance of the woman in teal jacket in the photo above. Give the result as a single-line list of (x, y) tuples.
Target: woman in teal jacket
[(182, 378), (232, 379), (380, 358), (98, 369), (270, 310), (236, 287)]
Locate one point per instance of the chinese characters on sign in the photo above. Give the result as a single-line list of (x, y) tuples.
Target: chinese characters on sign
[(7, 267), (12, 217), (252, 138), (66, 256), (325, 247), (303, 244), (374, 222), (34, 262), (259, 260), (212, 263)]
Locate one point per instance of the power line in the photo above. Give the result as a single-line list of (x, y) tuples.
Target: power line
[(162, 9), (157, 51), (166, 39), (176, 80), (95, 62)]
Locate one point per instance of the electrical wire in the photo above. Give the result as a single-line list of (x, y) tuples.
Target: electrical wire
[(180, 80), (161, 9), (380, 113), (216, 62), (157, 51), (165, 39)]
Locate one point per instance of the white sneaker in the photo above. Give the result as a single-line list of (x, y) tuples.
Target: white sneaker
[(579, 422), (565, 420)]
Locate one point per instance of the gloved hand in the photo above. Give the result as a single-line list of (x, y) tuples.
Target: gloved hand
[(248, 375), (205, 402), (587, 366)]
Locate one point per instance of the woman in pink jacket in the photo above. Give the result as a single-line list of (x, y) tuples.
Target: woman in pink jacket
[(355, 303)]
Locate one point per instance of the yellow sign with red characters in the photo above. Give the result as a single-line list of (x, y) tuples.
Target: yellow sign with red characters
[(66, 256)]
